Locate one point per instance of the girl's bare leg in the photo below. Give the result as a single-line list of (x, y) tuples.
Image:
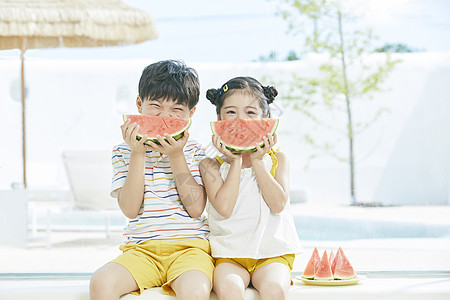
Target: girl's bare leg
[(230, 281), (272, 281)]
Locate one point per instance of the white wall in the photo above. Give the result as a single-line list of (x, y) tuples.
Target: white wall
[(77, 105)]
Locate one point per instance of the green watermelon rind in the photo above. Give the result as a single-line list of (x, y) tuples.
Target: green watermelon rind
[(238, 149), (176, 136)]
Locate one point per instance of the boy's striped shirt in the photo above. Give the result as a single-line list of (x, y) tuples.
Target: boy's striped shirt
[(162, 215)]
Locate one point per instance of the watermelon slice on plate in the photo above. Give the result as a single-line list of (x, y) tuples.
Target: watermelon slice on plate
[(329, 271), (332, 282), (323, 271), (153, 126), (331, 260), (343, 270), (312, 265), (241, 135)]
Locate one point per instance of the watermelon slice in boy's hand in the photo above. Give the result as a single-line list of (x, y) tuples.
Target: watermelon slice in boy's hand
[(153, 126), (241, 135)]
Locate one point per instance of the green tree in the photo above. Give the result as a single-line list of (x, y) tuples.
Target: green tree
[(271, 57), (345, 77), (292, 55), (397, 48)]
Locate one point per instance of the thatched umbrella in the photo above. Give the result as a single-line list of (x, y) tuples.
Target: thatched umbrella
[(31, 24)]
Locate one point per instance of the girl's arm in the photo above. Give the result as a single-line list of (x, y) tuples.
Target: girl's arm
[(275, 190), (221, 194)]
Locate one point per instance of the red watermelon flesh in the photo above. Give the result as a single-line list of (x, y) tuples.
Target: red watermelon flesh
[(333, 264), (331, 260), (157, 125), (312, 265), (342, 267), (241, 135), (323, 271)]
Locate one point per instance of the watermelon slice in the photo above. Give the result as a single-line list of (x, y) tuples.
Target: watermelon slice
[(241, 135), (331, 260), (323, 271), (333, 263), (312, 265), (156, 125), (342, 267)]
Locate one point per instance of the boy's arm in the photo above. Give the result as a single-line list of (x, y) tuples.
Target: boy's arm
[(131, 195), (275, 191), (222, 194), (192, 194)]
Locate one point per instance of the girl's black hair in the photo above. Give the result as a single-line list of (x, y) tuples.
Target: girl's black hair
[(264, 94), (170, 79)]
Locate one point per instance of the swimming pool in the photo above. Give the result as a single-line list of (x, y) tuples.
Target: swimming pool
[(325, 228)]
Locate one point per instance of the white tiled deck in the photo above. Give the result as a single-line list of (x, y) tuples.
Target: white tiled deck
[(411, 268), (406, 286)]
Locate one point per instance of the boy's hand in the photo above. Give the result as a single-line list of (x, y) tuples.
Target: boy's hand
[(170, 146), (217, 142), (269, 142), (129, 133)]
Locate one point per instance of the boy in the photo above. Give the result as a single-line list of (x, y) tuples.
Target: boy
[(160, 190)]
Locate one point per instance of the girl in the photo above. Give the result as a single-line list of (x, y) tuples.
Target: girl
[(252, 233)]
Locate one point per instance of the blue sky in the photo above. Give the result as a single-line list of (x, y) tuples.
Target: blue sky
[(242, 31)]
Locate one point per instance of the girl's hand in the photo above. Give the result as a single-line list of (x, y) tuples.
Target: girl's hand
[(269, 142), (129, 133), (217, 142), (170, 146)]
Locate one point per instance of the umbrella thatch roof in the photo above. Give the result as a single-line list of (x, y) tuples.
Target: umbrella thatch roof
[(31, 24), (72, 23)]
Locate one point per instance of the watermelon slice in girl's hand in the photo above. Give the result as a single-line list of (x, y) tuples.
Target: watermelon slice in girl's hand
[(323, 271), (342, 269), (157, 125), (241, 135), (312, 265)]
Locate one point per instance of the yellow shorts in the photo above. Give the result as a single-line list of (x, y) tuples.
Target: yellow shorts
[(159, 262), (251, 264)]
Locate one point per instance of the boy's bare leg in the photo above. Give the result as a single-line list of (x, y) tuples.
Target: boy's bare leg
[(110, 282), (192, 285), (272, 281), (230, 281)]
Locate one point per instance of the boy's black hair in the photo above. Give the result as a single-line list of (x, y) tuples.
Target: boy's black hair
[(170, 80), (264, 94)]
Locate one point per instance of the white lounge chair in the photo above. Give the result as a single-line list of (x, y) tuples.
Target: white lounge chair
[(89, 174)]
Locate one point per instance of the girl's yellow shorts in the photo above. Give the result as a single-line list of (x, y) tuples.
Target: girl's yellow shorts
[(159, 262), (251, 264)]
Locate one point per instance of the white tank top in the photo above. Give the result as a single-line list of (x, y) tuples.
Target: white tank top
[(252, 230)]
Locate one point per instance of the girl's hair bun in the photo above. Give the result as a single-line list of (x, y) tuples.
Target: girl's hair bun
[(212, 95), (270, 92)]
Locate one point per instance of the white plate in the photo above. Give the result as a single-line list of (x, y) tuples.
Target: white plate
[(331, 282)]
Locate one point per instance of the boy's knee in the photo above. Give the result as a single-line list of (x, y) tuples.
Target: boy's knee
[(99, 283), (198, 293), (96, 285), (103, 284), (192, 285)]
